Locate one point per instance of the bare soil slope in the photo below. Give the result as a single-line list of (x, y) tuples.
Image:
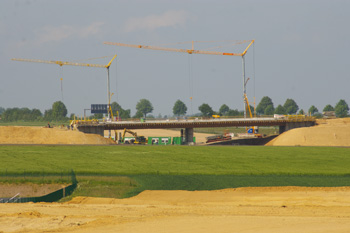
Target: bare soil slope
[(249, 210), (40, 135), (330, 132)]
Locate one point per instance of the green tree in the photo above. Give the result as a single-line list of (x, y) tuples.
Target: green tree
[(280, 110), (290, 106), (301, 112), (264, 103), (313, 110), (224, 109), (48, 115), (59, 110), (144, 106), (2, 110), (328, 108), (138, 114), (122, 112), (341, 108), (179, 108), (269, 110), (233, 112), (36, 114), (206, 110)]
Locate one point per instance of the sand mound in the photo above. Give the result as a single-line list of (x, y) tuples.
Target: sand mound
[(330, 132), (40, 135), (249, 210)]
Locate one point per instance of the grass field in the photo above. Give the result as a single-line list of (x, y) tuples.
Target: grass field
[(133, 169)]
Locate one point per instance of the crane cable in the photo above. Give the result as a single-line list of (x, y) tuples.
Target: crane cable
[(61, 78), (190, 80), (254, 77)]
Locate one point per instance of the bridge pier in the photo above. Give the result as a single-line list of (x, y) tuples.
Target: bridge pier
[(293, 125), (93, 129), (188, 135)]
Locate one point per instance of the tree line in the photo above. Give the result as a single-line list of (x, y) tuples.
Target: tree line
[(58, 112)]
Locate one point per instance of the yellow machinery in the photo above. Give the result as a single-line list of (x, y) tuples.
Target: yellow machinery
[(136, 140)]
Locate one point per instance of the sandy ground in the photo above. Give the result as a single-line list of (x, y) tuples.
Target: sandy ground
[(249, 210), (40, 135), (331, 132), (28, 190)]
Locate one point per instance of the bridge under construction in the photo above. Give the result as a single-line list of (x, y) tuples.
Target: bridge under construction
[(284, 124)]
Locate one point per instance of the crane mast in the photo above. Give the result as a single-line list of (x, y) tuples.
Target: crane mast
[(62, 63), (193, 51)]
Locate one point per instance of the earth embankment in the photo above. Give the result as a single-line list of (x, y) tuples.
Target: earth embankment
[(42, 135), (327, 132)]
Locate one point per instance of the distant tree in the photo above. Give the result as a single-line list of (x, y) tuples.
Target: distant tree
[(224, 109), (341, 108), (59, 110), (179, 108), (251, 109), (291, 106), (144, 106), (328, 108), (2, 110), (138, 114), (233, 112), (280, 110), (301, 112), (115, 107), (264, 103), (36, 114), (122, 112), (269, 110), (206, 110), (48, 115), (313, 110)]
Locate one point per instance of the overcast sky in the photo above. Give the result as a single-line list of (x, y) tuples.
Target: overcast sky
[(301, 51)]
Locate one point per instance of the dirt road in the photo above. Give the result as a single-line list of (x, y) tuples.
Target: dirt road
[(270, 210)]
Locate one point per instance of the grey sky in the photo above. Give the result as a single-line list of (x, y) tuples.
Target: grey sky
[(301, 52)]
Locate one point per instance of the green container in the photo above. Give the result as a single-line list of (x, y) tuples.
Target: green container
[(159, 140)]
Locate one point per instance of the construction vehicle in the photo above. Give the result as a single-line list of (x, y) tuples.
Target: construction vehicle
[(254, 130), (136, 140)]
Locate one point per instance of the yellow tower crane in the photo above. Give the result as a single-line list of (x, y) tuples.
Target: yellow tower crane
[(62, 63), (193, 51)]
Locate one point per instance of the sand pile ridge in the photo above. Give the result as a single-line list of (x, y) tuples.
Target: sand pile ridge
[(327, 132), (41, 135)]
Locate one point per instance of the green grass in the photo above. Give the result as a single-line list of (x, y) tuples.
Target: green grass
[(175, 160), (121, 171)]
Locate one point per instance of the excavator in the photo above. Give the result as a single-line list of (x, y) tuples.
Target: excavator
[(137, 139)]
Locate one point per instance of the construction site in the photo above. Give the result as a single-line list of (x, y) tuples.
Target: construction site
[(246, 209)]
